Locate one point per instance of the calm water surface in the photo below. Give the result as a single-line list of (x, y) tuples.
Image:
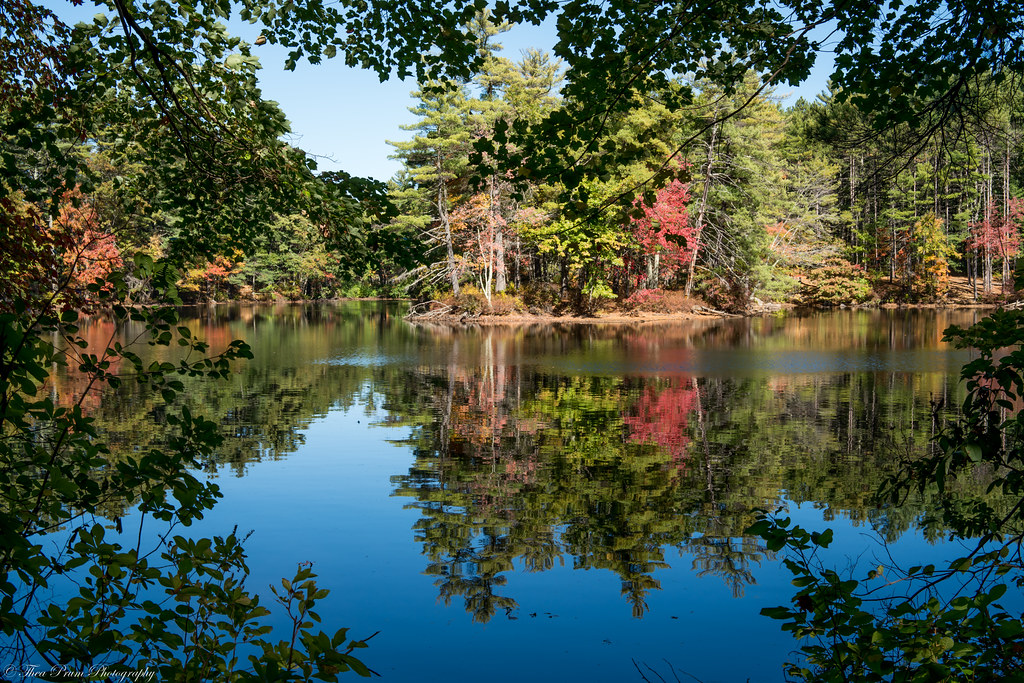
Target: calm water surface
[(557, 502)]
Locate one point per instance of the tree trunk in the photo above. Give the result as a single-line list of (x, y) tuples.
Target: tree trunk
[(500, 279), (702, 211), (853, 202), (442, 214), (1006, 213), (988, 270), (518, 259), (988, 215)]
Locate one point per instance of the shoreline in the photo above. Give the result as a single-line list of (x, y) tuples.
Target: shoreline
[(700, 313), (643, 318)]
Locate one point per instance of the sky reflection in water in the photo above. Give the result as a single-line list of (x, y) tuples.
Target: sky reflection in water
[(555, 503)]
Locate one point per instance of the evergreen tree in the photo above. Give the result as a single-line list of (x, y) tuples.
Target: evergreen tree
[(436, 160)]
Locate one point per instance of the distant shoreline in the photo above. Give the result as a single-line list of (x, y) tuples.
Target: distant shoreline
[(617, 318), (960, 300)]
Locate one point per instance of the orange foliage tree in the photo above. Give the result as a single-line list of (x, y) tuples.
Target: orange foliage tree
[(479, 224), (53, 258), (91, 250)]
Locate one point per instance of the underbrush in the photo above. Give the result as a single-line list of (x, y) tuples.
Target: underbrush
[(544, 299), (834, 283), (472, 301), (658, 301), (541, 298)]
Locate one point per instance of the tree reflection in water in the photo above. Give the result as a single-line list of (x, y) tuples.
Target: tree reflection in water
[(519, 466), (611, 448)]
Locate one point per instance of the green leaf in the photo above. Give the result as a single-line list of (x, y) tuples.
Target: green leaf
[(997, 591)]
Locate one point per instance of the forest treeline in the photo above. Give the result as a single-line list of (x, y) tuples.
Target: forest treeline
[(736, 198)]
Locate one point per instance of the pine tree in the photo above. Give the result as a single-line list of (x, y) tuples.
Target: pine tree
[(436, 160)]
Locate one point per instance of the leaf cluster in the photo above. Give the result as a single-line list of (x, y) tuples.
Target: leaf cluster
[(58, 474), (928, 623)]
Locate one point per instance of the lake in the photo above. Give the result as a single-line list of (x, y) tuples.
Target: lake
[(560, 502)]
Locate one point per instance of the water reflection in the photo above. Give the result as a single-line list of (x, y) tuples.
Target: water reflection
[(608, 448), (518, 465), (612, 464)]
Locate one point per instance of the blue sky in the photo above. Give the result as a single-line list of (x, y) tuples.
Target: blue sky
[(345, 116)]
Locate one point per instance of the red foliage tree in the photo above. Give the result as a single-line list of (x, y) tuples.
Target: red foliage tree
[(661, 419), (30, 262), (997, 236), (91, 252), (664, 236), (43, 257)]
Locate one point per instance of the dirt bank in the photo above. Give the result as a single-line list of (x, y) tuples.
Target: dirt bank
[(960, 295)]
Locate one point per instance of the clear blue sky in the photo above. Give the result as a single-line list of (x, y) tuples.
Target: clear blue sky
[(345, 116)]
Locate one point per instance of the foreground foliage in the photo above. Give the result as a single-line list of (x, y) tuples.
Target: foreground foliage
[(928, 623), (141, 132), (78, 594)]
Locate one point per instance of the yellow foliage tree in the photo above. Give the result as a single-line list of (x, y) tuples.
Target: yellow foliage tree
[(933, 251)]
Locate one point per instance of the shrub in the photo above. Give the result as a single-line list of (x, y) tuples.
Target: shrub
[(732, 294), (542, 296), (504, 304), (357, 290), (471, 300), (658, 301), (835, 282), (774, 284), (645, 300), (676, 301)]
